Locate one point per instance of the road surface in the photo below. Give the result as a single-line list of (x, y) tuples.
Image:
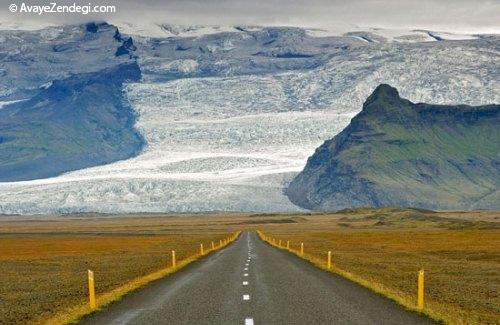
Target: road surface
[(250, 282)]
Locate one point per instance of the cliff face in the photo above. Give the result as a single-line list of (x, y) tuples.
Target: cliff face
[(398, 153)]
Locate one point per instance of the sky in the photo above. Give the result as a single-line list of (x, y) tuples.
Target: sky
[(465, 16)]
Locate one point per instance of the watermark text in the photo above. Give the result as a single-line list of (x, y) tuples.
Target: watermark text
[(54, 8)]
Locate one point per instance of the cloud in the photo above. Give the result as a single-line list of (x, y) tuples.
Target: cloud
[(446, 15)]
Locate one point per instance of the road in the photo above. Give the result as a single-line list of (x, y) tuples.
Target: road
[(250, 282)]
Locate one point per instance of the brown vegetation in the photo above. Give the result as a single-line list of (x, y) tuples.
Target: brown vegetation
[(45, 274), (461, 258), (44, 260)]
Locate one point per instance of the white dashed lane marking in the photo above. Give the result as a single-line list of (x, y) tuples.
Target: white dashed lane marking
[(248, 321)]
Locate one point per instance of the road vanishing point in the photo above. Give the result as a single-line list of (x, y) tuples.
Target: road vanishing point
[(250, 282)]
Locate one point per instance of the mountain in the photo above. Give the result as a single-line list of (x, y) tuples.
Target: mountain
[(227, 114), (62, 101), (30, 60), (77, 122), (398, 153)]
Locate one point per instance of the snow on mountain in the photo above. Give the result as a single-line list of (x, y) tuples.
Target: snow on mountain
[(30, 60), (229, 118), (159, 30)]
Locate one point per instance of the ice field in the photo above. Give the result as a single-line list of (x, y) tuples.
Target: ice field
[(232, 142)]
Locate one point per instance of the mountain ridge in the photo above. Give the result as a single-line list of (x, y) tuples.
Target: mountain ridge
[(256, 118), (397, 153)]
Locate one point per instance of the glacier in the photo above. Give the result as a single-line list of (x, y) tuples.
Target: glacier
[(231, 115)]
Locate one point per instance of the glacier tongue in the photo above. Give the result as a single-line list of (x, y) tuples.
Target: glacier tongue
[(213, 144), (232, 142)]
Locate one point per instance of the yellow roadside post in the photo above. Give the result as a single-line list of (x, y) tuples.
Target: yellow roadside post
[(201, 249), (213, 245), (329, 260), (279, 243), (91, 289), (220, 242), (301, 248), (173, 259), (288, 244), (421, 289)]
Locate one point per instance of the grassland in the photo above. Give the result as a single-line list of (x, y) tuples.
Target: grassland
[(43, 260), (384, 250), (44, 272)]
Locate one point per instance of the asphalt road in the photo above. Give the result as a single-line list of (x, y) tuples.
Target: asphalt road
[(250, 282)]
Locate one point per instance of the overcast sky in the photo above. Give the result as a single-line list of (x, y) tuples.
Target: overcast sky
[(474, 16)]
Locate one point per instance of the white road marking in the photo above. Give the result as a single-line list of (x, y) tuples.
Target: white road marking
[(245, 269), (246, 274), (248, 321), (247, 264), (246, 297), (245, 283)]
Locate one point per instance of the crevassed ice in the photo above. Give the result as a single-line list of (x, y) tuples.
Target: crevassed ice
[(233, 143)]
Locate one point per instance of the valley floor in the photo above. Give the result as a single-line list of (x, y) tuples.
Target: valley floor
[(44, 259)]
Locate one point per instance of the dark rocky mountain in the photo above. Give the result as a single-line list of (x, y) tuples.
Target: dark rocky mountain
[(77, 122), (398, 153)]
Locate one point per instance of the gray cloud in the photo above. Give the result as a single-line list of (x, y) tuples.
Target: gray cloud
[(478, 16)]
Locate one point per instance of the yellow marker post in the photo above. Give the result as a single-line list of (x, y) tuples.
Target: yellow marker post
[(279, 243), (220, 242), (174, 262), (288, 244), (91, 289), (329, 260), (201, 249), (421, 289), (301, 248), (213, 245)]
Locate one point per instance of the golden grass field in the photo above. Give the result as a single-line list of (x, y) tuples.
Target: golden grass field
[(44, 260), (45, 273), (461, 260)]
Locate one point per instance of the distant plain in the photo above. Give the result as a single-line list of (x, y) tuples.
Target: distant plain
[(44, 259)]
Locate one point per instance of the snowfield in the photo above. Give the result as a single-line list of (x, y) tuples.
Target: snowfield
[(232, 141)]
